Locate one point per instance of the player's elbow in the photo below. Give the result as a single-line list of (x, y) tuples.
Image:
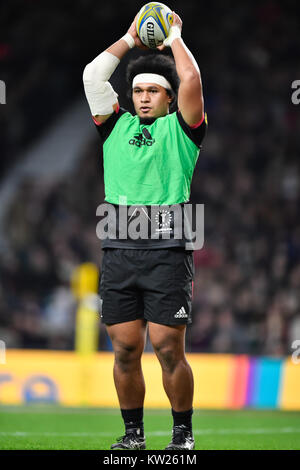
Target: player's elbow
[(88, 73), (191, 75)]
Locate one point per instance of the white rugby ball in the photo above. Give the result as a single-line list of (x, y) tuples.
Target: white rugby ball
[(153, 24)]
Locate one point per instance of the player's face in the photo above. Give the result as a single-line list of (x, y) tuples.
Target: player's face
[(150, 100)]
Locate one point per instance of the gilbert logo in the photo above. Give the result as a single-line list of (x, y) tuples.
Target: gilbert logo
[(150, 34), (2, 92)]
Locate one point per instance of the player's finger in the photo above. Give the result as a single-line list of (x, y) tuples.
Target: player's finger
[(140, 45), (176, 19)]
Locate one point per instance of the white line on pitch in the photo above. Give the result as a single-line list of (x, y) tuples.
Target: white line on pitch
[(153, 433)]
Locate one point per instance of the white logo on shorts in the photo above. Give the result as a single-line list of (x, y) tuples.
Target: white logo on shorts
[(181, 313)]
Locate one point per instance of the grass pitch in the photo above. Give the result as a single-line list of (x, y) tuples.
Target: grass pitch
[(52, 427)]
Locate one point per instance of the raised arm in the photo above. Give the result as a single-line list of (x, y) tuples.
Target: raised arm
[(190, 97), (102, 99)]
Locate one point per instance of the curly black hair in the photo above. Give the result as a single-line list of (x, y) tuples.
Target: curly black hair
[(154, 63)]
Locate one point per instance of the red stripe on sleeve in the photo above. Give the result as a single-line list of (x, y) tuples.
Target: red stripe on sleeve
[(100, 123), (194, 126), (96, 122)]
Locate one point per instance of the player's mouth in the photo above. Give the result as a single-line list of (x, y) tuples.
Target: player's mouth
[(145, 109)]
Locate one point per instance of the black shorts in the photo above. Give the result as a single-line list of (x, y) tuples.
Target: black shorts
[(156, 285)]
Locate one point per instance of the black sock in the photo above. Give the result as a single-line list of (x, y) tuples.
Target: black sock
[(183, 418), (133, 419)]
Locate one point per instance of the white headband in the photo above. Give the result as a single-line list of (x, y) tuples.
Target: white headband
[(151, 78)]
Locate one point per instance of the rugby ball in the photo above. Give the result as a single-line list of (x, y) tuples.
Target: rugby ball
[(153, 24)]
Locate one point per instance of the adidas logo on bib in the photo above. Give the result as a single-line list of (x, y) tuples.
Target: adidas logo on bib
[(181, 313), (139, 140)]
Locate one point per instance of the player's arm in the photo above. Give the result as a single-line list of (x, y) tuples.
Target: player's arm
[(190, 96), (102, 98)]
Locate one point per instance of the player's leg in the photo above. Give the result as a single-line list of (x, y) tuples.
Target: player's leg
[(122, 312), (128, 340), (168, 306), (169, 345)]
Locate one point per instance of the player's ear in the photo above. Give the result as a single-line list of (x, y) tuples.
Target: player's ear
[(170, 98)]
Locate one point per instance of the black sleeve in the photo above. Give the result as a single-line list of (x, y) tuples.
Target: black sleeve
[(197, 134), (106, 127)]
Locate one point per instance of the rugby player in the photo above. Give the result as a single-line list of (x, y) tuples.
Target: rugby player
[(149, 159)]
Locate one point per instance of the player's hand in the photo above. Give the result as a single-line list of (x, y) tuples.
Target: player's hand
[(161, 48), (133, 32), (177, 21)]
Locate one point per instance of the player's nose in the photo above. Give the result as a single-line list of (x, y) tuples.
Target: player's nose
[(145, 97)]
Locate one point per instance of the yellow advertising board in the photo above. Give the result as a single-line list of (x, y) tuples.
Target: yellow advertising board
[(221, 381)]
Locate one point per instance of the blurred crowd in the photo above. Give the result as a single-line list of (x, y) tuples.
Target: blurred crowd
[(43, 47), (51, 227), (247, 275)]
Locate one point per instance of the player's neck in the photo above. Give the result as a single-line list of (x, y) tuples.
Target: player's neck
[(147, 120)]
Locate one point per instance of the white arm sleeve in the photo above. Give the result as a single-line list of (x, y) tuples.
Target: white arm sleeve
[(99, 92)]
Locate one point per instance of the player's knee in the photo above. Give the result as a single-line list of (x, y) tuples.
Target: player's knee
[(169, 358), (127, 356)]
